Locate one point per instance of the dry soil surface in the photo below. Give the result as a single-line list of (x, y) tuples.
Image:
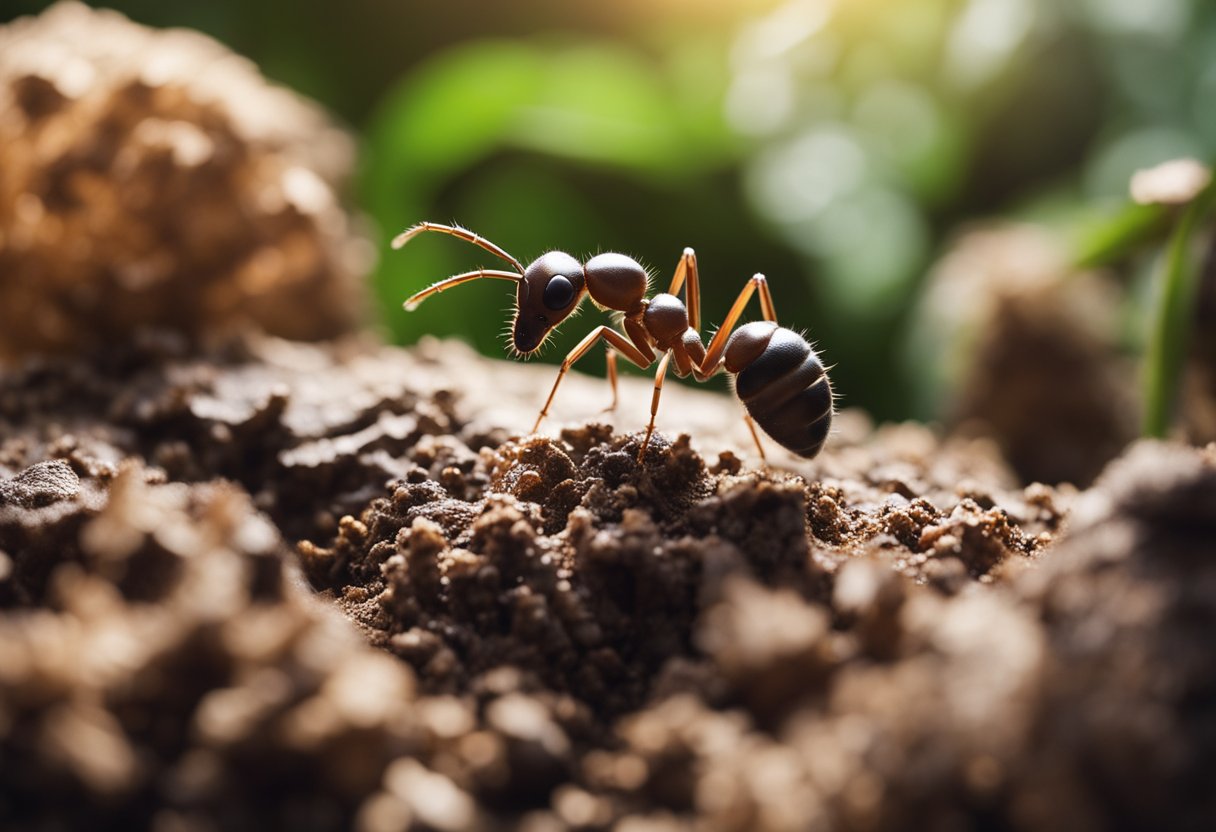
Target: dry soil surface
[(318, 587)]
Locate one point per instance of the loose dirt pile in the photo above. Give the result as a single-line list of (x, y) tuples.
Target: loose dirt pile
[(153, 177), (548, 634)]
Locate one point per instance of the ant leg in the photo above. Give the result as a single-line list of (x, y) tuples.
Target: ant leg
[(455, 280), (751, 425), (687, 268), (615, 339), (611, 356), (713, 355), (456, 231), (654, 403), (767, 307)]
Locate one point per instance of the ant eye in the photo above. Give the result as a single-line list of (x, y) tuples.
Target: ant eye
[(558, 292)]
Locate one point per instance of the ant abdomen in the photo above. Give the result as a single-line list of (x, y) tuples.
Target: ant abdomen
[(783, 385)]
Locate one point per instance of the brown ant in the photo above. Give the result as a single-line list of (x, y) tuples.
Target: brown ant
[(777, 375)]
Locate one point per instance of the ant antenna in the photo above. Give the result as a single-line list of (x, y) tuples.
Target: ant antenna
[(464, 234), (447, 283)]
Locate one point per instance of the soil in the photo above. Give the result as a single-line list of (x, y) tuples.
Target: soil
[(340, 586)]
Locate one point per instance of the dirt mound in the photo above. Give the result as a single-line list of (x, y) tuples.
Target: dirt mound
[(479, 631), (154, 178)]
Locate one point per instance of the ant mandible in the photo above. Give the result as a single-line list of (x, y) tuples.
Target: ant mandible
[(777, 375)]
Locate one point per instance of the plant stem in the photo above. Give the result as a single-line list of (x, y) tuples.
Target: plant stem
[(1172, 320)]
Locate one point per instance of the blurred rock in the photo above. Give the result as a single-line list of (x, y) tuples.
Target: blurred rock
[(1025, 347), (155, 178)]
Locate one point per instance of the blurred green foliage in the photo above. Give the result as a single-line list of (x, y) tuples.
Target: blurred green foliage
[(835, 146), (537, 123), (1169, 335)]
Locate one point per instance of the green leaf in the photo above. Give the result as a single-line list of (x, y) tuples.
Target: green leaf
[(1173, 316), (604, 105), (458, 106), (1106, 237)]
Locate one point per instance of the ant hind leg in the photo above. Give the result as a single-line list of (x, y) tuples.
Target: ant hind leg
[(717, 345), (751, 426)]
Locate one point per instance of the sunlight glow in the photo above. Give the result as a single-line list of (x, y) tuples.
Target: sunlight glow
[(985, 36)]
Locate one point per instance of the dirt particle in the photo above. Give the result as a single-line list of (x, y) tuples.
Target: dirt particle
[(40, 485)]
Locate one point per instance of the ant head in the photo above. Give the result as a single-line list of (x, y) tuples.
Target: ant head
[(552, 288)]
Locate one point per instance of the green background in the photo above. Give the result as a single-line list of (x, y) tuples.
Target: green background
[(836, 147)]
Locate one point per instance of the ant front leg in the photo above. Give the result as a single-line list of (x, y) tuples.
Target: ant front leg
[(634, 352)]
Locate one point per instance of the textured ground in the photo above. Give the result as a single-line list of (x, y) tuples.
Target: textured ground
[(319, 586)]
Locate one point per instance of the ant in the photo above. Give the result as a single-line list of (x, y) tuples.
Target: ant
[(777, 375)]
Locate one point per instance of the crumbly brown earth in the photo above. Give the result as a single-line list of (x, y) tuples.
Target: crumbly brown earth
[(153, 178), (338, 586)]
